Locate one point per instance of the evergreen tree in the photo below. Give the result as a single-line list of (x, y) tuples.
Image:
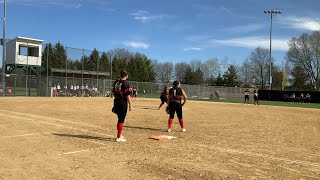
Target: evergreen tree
[(219, 81), (299, 79), (231, 77), (59, 58), (193, 77), (104, 64), (47, 53), (92, 63)]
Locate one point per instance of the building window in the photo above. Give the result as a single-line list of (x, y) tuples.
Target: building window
[(28, 51), (23, 50)]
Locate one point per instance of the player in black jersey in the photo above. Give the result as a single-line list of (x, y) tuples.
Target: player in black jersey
[(122, 98), (246, 96), (175, 104), (164, 96), (134, 92), (256, 97)]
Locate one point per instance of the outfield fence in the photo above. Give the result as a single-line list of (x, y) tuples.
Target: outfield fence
[(83, 72), (22, 85)]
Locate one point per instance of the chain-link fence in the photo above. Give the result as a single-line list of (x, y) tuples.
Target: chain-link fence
[(193, 91), (66, 71), (18, 85)]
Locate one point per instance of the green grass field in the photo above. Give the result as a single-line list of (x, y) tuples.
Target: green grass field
[(270, 103)]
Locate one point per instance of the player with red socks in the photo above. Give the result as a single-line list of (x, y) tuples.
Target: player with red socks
[(164, 96), (122, 98), (175, 105)]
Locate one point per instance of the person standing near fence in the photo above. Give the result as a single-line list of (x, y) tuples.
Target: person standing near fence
[(55, 91), (131, 92), (308, 98), (175, 105), (164, 96), (302, 98), (58, 89), (246, 96), (134, 92), (256, 97), (71, 90), (293, 98), (121, 91)]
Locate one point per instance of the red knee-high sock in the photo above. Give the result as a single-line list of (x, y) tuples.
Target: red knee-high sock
[(181, 123), (119, 127), (160, 106), (170, 123)]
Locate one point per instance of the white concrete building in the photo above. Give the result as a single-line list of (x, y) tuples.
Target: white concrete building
[(24, 51)]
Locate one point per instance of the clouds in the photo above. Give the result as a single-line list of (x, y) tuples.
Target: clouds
[(72, 4), (207, 10), (192, 49), (69, 4), (136, 44), (180, 26), (300, 23), (77, 6), (245, 28), (253, 42), (145, 16)]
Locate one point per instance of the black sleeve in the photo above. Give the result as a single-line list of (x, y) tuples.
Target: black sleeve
[(114, 85), (126, 88), (171, 91)]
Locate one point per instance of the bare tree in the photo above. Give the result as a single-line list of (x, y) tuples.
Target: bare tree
[(305, 52), (180, 71), (195, 65), (164, 72), (223, 65), (258, 66), (210, 68), (244, 73)]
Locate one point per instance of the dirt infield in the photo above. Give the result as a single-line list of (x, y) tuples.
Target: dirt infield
[(73, 138)]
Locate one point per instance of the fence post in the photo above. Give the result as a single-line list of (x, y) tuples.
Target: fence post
[(188, 89), (97, 85), (47, 65), (66, 83), (137, 87), (27, 71), (82, 68)]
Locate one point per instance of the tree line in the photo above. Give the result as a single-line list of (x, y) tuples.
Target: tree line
[(138, 65), (300, 70)]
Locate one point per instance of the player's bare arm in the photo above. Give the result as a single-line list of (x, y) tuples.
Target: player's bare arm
[(129, 102), (184, 97)]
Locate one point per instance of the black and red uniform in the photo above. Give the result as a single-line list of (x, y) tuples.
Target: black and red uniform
[(175, 105), (121, 90), (134, 92), (164, 97), (246, 96)]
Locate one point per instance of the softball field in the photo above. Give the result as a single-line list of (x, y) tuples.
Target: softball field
[(73, 138)]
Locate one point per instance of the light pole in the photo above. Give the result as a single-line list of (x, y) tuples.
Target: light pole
[(270, 57), (110, 85), (4, 55)]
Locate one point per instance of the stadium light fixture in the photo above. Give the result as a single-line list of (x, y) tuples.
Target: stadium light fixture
[(270, 56)]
